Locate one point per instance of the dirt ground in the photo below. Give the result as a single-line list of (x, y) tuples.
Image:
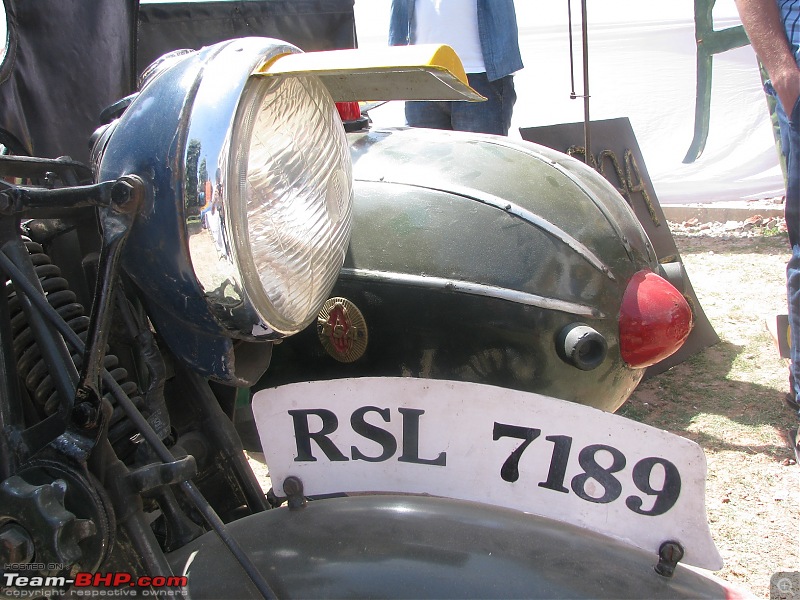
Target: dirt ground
[(729, 398)]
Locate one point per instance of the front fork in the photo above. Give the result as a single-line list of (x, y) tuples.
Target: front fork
[(63, 451)]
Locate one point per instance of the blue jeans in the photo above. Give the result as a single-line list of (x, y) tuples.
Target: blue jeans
[(790, 144), (492, 116)]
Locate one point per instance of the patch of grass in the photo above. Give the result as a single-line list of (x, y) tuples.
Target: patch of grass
[(773, 231)]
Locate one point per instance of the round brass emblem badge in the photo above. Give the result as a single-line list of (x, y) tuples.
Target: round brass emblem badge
[(342, 330)]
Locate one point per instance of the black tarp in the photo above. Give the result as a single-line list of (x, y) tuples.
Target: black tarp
[(67, 60), (70, 59), (309, 24)]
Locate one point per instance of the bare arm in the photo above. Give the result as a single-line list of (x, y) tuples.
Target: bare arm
[(762, 22)]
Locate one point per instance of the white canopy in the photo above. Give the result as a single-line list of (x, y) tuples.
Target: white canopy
[(642, 66)]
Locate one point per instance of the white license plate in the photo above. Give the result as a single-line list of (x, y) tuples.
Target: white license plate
[(504, 447)]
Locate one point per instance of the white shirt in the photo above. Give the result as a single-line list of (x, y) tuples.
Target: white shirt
[(451, 22)]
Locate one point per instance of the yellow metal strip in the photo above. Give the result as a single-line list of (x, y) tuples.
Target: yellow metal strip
[(424, 72)]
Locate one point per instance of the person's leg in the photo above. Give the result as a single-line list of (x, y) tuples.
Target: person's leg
[(491, 116), (433, 115), (790, 142)]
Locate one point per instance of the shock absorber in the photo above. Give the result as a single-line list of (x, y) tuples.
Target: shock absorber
[(31, 366)]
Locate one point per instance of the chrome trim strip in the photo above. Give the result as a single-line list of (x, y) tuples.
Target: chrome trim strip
[(579, 183), (525, 215), (473, 289)]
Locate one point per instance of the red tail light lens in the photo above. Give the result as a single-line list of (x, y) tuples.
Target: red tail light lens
[(654, 321), (349, 111)]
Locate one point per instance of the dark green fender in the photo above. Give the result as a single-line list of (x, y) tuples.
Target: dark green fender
[(469, 256), (422, 547)]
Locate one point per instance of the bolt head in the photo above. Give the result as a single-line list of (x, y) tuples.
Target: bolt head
[(671, 552), (85, 415), (16, 546), (121, 192), (292, 486)]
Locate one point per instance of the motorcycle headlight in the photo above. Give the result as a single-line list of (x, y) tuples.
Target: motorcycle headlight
[(244, 155), (252, 185), (289, 186)]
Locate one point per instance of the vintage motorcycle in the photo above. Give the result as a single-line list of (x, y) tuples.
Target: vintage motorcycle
[(143, 289)]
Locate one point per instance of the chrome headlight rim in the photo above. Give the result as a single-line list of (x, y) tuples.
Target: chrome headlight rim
[(195, 99)]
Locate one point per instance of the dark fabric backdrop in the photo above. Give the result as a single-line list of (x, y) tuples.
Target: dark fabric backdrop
[(69, 59), (309, 24)]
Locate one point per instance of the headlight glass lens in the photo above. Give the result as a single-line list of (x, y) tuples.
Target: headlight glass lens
[(290, 182)]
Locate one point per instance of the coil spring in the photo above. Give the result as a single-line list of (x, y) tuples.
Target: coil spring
[(31, 365)]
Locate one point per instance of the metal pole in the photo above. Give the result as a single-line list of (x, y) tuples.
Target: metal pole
[(585, 33)]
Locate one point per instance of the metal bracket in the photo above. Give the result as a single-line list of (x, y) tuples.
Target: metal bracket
[(126, 196), (21, 200), (155, 475)]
